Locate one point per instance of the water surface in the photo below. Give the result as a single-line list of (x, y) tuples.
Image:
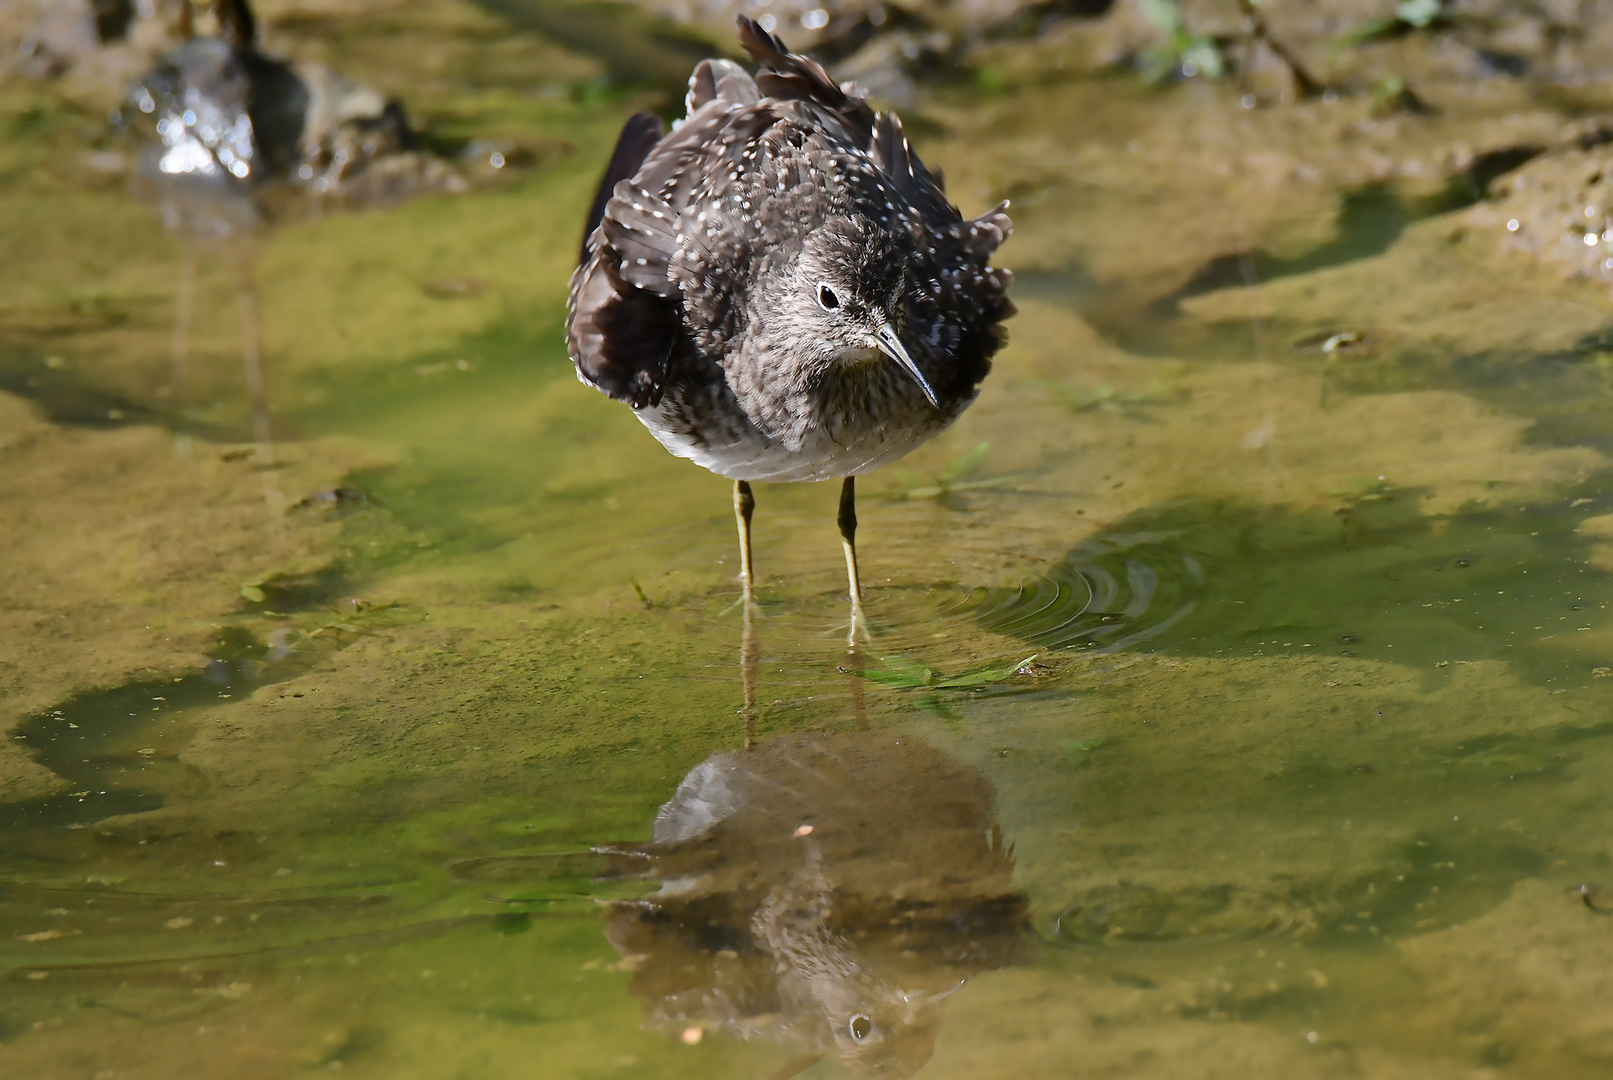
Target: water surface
[(1236, 698)]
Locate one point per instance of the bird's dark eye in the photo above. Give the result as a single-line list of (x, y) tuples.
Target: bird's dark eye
[(827, 299), (860, 1027)]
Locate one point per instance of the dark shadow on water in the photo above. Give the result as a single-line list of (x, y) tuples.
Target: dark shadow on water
[(117, 748), (1369, 221), (1567, 392), (1446, 874), (66, 397), (1376, 578), (88, 739)]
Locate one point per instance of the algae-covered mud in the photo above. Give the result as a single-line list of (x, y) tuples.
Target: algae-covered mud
[(1238, 692)]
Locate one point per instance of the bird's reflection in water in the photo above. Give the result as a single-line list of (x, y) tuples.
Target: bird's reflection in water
[(826, 892)]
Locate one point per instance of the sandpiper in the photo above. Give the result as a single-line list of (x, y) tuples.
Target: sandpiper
[(780, 289)]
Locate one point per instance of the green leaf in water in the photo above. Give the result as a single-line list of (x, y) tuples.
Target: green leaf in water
[(1106, 398), (253, 591), (899, 671), (1408, 15), (906, 674), (1203, 55), (1187, 53), (1366, 489), (1372, 29), (938, 706), (1164, 14), (1393, 95), (984, 677), (512, 922), (1078, 752)]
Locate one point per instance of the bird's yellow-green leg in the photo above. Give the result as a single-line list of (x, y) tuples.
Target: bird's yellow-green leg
[(847, 520), (744, 506)]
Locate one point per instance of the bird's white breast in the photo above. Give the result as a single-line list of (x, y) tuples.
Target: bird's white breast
[(741, 452)]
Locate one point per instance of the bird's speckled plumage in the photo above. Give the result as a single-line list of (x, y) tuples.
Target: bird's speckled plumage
[(740, 274)]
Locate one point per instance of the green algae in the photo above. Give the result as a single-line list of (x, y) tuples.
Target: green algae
[(1308, 691)]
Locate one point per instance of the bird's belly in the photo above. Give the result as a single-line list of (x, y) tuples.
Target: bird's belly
[(728, 444)]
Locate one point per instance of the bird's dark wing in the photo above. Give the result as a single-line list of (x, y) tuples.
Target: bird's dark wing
[(895, 158), (790, 75), (644, 219), (983, 235), (626, 311), (641, 230), (639, 136), (620, 334), (236, 23), (695, 160)]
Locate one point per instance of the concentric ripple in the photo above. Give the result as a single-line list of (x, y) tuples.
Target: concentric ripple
[(1108, 594)]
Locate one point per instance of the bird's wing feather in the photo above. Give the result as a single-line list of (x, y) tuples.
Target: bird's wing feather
[(705, 144), (620, 337), (620, 334), (625, 309), (790, 76), (639, 136), (642, 231), (895, 158)]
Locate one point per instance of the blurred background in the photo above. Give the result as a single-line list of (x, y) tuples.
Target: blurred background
[(1236, 700)]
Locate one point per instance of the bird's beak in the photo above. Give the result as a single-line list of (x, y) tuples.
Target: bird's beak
[(931, 997), (892, 346)]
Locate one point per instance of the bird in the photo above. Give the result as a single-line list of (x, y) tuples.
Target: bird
[(779, 287)]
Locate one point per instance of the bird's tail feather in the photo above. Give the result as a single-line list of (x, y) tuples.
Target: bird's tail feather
[(790, 75), (715, 80)]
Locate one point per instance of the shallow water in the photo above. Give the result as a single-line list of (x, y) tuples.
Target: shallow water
[(1236, 699)]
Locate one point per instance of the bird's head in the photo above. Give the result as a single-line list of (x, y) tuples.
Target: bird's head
[(888, 1034), (848, 298)]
